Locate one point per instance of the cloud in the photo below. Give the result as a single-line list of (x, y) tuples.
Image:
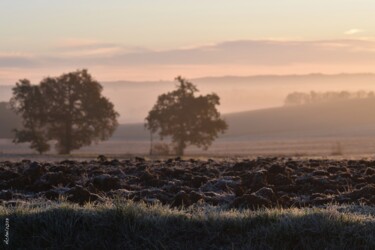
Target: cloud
[(245, 52), (86, 48), (231, 57), (353, 31), (18, 60), (255, 52)]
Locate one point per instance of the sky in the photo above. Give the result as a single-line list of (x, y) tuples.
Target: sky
[(160, 39)]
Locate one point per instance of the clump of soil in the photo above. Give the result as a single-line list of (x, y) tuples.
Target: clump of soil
[(247, 183)]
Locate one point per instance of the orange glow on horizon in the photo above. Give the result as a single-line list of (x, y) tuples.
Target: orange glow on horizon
[(169, 72)]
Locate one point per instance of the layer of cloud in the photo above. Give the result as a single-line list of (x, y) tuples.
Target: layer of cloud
[(257, 53), (17, 60), (272, 55), (88, 48)]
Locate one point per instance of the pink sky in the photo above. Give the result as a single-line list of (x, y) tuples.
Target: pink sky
[(152, 40), (111, 62)]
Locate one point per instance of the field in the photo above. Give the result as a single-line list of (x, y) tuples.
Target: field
[(211, 203), (280, 178), (349, 147)]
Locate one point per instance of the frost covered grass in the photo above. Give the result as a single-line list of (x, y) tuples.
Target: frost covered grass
[(128, 225)]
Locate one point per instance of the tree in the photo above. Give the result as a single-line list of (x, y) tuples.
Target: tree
[(28, 102), (68, 109), (297, 98), (37, 139), (188, 119)]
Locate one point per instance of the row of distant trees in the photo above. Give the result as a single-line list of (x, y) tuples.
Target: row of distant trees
[(71, 111), (301, 98)]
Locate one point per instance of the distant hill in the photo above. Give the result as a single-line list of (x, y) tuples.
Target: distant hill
[(348, 118), (354, 117), (8, 121)]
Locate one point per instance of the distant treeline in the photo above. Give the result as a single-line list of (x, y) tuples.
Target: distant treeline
[(8, 121), (301, 98)]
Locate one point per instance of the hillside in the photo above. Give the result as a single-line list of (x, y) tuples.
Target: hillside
[(343, 118), (350, 118)]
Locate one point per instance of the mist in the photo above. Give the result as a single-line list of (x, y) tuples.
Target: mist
[(133, 100)]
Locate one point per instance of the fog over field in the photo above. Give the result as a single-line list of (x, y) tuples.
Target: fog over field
[(323, 128), (134, 99)]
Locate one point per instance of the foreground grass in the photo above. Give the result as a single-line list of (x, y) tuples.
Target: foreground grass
[(127, 225)]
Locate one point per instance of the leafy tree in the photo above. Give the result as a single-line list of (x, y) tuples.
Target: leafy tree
[(37, 138), (29, 103), (68, 109), (297, 98), (188, 119)]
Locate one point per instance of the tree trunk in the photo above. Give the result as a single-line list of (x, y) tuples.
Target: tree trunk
[(180, 148), (68, 137), (68, 123), (151, 141)]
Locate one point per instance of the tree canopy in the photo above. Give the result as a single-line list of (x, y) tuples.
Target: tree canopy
[(186, 118), (69, 109)]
